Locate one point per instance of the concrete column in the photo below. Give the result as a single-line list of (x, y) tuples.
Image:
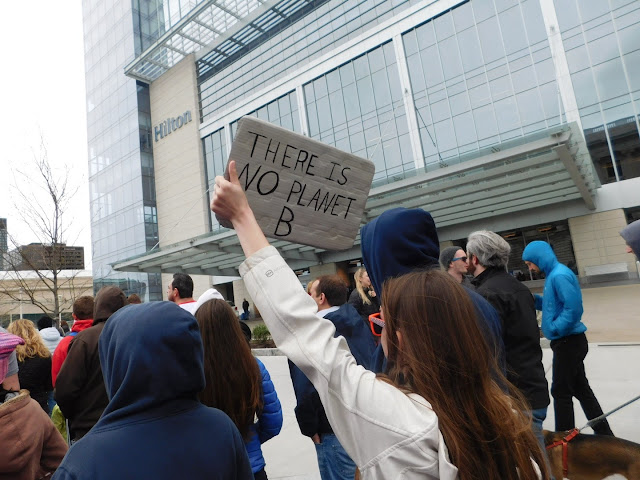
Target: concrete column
[(597, 241)]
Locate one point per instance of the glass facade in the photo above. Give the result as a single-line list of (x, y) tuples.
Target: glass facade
[(332, 24), (482, 76), (215, 160), (602, 44), (121, 175), (358, 107)]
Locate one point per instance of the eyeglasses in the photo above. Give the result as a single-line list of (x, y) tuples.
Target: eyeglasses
[(464, 259), (377, 324)]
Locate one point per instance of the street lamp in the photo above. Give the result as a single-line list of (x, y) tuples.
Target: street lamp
[(21, 290)]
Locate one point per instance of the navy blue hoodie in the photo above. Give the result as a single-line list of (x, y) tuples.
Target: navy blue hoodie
[(404, 240), (154, 426)]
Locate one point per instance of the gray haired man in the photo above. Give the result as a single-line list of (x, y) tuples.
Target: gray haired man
[(488, 253)]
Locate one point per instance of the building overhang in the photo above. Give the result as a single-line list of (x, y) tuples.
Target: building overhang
[(532, 172), (215, 30)]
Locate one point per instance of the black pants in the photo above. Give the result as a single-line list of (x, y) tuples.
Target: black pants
[(570, 380), (260, 475)]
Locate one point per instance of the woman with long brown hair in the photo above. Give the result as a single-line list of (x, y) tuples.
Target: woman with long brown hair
[(236, 382), (439, 413), (34, 362)]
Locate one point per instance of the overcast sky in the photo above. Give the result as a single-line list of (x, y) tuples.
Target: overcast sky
[(43, 93)]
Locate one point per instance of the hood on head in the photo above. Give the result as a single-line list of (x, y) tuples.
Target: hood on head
[(108, 301), (631, 235), (210, 294), (541, 254), (150, 354), (50, 333), (397, 242)]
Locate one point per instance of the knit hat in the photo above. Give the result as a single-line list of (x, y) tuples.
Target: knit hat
[(447, 255), (631, 235), (108, 301), (206, 296), (8, 344)]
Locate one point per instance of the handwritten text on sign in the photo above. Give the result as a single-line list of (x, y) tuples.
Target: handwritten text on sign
[(301, 190)]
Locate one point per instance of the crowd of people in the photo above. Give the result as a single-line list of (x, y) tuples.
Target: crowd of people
[(431, 368)]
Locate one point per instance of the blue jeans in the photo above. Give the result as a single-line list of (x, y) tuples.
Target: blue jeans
[(333, 461), (538, 416), (51, 402)]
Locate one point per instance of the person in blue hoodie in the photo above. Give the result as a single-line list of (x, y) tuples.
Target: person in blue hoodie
[(154, 426), (330, 293), (404, 240), (631, 235), (561, 305)]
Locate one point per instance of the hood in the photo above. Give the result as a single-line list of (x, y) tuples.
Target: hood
[(541, 254), (631, 235), (50, 334), (108, 301), (397, 242), (207, 295), (150, 354)]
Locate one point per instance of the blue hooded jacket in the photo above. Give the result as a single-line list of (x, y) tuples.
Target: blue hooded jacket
[(561, 303), (309, 410), (269, 421), (405, 240), (154, 426), (631, 235)]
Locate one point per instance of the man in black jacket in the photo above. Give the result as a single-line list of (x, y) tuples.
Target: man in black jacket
[(488, 254)]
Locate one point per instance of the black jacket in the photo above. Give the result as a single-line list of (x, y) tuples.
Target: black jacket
[(515, 305), (34, 374)]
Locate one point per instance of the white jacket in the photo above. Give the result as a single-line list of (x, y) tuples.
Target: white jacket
[(51, 338), (388, 434)]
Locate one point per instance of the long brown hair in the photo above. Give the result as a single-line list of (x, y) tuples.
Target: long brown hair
[(33, 344), (444, 358), (232, 375)]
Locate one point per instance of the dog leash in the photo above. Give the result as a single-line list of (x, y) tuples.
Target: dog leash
[(593, 421), (574, 433)]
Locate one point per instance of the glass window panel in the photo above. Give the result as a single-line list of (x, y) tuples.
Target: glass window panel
[(445, 137), (610, 79), (465, 129), (426, 36), (632, 62), (524, 79), (529, 107), (506, 115), (463, 17), (513, 31), (603, 49), (593, 10), (459, 103), (381, 88), (479, 95), (410, 42), (626, 146), (431, 66), (440, 110), (376, 60), (324, 114), (416, 73), (333, 81), (492, 48), (470, 49), (338, 113), (443, 26), (361, 67), (451, 64), (483, 9), (630, 38), (320, 87)]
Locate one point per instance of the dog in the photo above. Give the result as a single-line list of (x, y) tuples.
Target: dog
[(592, 457)]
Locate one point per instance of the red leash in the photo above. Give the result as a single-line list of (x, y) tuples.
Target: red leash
[(564, 442)]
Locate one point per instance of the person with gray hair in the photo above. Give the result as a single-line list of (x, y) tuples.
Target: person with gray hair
[(488, 254)]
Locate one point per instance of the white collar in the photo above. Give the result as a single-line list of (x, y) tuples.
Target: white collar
[(326, 311)]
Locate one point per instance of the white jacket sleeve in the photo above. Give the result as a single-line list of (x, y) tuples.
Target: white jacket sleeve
[(387, 433)]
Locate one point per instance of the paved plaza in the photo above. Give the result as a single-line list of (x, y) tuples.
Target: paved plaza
[(612, 315)]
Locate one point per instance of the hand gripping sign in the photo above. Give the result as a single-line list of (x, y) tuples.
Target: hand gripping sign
[(299, 189)]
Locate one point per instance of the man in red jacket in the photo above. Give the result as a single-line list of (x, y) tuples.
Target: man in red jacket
[(83, 319)]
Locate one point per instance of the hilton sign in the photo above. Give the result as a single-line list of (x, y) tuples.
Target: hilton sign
[(171, 124)]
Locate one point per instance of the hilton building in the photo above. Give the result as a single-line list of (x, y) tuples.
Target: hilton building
[(517, 116)]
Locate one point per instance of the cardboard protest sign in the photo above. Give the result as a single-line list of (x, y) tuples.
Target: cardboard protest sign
[(300, 190)]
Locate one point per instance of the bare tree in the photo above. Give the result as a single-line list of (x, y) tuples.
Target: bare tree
[(34, 271)]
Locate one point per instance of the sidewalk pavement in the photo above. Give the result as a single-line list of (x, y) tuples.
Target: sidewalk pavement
[(612, 315)]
